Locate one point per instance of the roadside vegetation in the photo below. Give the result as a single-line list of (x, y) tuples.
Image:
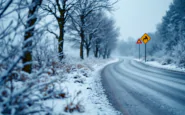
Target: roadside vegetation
[(34, 62)]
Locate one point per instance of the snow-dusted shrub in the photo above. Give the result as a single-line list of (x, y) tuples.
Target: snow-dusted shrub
[(151, 58), (181, 61), (167, 61), (74, 104), (23, 93)]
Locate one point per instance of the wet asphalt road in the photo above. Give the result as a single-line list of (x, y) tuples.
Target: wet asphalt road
[(134, 88)]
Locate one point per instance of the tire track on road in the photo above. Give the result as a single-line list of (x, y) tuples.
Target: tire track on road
[(146, 91)]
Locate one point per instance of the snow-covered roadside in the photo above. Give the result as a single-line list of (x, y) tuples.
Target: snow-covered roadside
[(160, 65), (84, 91)]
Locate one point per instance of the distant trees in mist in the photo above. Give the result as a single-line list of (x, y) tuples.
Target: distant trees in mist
[(168, 42)]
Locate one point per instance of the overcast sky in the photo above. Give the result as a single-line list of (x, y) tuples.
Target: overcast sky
[(136, 17)]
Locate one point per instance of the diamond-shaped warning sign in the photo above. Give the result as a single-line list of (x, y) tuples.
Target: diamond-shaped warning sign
[(145, 38)]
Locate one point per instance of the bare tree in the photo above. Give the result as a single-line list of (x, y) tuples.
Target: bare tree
[(32, 18), (94, 22), (60, 10), (106, 37), (83, 9)]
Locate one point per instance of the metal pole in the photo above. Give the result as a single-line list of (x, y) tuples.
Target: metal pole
[(139, 51), (145, 52)]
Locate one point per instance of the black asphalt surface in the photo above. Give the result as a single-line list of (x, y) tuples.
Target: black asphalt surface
[(135, 88)]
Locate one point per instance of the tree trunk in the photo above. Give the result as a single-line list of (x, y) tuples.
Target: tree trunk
[(88, 45), (108, 53), (104, 54), (87, 51), (96, 51), (28, 34), (82, 37), (87, 48), (61, 22), (61, 38), (81, 48)]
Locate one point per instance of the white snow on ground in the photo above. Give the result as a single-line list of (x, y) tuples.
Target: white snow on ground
[(159, 65), (86, 82)]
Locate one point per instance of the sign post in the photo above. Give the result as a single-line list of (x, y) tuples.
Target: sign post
[(139, 42), (145, 38), (145, 52)]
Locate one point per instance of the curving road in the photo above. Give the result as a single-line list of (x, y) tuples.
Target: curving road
[(138, 89)]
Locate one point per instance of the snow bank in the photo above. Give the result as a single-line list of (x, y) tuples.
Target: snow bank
[(84, 80), (157, 64)]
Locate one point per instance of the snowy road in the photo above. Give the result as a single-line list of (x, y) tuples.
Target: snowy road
[(138, 89)]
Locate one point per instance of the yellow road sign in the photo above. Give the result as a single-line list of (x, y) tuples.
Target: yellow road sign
[(145, 38)]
